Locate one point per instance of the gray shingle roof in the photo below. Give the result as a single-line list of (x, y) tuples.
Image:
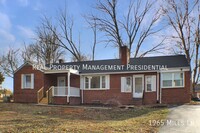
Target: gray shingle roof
[(136, 64)]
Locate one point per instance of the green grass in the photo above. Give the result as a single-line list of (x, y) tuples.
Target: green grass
[(31, 118)]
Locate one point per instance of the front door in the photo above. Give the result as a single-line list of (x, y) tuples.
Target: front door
[(61, 84), (138, 86)]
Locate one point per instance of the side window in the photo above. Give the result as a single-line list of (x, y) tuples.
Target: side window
[(27, 81), (126, 84), (150, 83)]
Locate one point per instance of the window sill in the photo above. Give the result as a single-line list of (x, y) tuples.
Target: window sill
[(27, 88), (96, 89), (60, 96), (178, 87), (149, 91)]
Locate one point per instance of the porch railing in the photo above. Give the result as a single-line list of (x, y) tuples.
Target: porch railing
[(49, 94), (63, 91), (40, 94)]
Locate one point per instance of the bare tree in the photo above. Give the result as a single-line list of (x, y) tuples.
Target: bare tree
[(28, 53), (66, 34), (93, 27), (10, 62), (1, 78), (46, 49), (180, 17), (129, 29)]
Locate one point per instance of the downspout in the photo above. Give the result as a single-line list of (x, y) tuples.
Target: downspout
[(157, 86), (82, 96), (81, 86), (68, 83), (160, 89)]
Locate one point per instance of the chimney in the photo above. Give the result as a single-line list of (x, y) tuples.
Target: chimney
[(124, 55), (61, 61)]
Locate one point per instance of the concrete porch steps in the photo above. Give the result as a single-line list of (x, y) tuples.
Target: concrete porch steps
[(44, 100)]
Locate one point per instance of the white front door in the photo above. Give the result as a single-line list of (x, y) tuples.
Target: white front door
[(138, 86), (61, 84)]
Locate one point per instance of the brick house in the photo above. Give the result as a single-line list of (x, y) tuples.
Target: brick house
[(147, 80)]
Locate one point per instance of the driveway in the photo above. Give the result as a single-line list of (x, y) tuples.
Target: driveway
[(182, 119)]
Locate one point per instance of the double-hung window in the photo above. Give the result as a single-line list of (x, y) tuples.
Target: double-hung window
[(96, 82), (150, 84), (27, 81), (126, 84), (172, 79)]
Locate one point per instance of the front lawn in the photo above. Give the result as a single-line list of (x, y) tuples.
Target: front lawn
[(31, 118)]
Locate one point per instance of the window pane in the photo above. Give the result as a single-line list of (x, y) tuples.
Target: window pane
[(167, 79), (167, 83), (138, 85), (178, 76), (167, 76), (86, 82), (128, 84), (178, 79), (149, 87), (103, 82), (28, 81), (178, 82), (95, 82), (148, 82)]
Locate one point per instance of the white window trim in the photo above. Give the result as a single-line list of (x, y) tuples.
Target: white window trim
[(152, 83), (122, 85), (173, 79), (32, 81), (107, 80)]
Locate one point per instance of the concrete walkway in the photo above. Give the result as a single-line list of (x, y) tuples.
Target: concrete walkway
[(182, 119)]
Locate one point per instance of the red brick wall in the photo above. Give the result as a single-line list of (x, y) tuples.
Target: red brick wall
[(114, 94), (177, 95), (75, 100), (150, 98), (75, 81), (63, 100), (27, 95), (59, 100)]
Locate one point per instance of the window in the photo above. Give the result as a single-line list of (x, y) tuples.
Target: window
[(86, 82), (27, 81), (126, 84), (174, 79), (103, 82), (150, 83), (96, 82)]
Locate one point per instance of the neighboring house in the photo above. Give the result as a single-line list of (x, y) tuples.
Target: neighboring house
[(1, 92), (148, 80), (4, 92)]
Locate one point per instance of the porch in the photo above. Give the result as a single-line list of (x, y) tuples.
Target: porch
[(60, 87), (63, 91)]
